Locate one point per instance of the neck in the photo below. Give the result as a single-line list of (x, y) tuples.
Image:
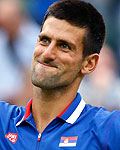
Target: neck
[(47, 104)]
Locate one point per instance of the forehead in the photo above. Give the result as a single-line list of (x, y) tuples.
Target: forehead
[(62, 29)]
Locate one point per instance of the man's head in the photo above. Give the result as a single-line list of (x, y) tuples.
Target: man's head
[(83, 15), (68, 44)]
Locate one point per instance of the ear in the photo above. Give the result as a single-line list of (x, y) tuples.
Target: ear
[(89, 64)]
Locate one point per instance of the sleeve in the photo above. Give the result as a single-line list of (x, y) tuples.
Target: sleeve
[(107, 129)]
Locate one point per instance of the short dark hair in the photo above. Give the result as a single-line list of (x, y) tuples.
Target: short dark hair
[(83, 15)]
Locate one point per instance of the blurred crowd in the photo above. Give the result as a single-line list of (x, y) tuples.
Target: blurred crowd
[(20, 23), (102, 87), (18, 34)]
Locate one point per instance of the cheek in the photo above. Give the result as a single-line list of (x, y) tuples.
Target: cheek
[(70, 60), (70, 64), (75, 64), (37, 51)]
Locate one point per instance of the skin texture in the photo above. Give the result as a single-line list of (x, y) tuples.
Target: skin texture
[(57, 63), (57, 69)]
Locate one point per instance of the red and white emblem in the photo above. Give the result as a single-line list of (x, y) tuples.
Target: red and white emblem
[(12, 137)]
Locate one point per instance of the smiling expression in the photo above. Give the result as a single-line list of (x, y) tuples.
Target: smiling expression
[(57, 56)]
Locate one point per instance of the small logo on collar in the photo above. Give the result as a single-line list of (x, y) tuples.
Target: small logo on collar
[(12, 137)]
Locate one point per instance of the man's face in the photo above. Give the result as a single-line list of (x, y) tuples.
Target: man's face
[(58, 54)]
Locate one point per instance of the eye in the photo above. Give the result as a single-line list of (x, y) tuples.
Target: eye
[(43, 40), (64, 46)]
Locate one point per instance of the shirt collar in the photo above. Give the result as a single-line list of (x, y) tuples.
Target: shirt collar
[(28, 109), (27, 112), (70, 114)]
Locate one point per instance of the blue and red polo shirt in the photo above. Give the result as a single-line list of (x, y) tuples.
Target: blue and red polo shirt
[(79, 127)]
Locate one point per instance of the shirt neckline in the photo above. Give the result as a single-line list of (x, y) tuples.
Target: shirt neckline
[(70, 114)]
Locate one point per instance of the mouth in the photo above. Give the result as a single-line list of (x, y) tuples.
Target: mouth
[(47, 64)]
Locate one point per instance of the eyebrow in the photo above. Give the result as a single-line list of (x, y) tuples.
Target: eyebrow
[(43, 36)]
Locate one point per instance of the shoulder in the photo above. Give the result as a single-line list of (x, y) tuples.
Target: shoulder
[(10, 112), (105, 118), (6, 108), (105, 126), (101, 114)]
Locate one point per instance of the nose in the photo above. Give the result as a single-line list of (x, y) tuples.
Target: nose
[(50, 51)]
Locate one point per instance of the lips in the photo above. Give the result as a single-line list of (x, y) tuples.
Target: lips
[(47, 64)]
